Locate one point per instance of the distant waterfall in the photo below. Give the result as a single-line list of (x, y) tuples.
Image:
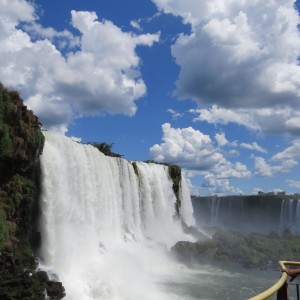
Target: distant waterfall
[(214, 211), (105, 225), (290, 215)]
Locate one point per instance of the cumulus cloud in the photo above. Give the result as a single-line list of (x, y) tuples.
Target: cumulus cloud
[(175, 115), (265, 120), (253, 146), (100, 75), (267, 169), (227, 170), (219, 186), (187, 147), (221, 139), (293, 183), (195, 151), (64, 39), (135, 24), (262, 168), (240, 54), (290, 153)]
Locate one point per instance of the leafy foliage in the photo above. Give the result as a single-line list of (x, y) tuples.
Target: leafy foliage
[(249, 250), (21, 139), (105, 148), (4, 228)]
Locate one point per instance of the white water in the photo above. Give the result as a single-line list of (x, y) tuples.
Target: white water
[(214, 211), (105, 230), (290, 215)]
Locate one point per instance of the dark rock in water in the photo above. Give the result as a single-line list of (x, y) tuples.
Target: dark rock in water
[(195, 253), (42, 276), (55, 290), (193, 231)]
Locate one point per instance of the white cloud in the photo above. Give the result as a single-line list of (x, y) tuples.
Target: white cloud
[(240, 55), (187, 147), (175, 115), (219, 186), (233, 152), (221, 139), (193, 150), (277, 191), (293, 183), (13, 11), (63, 38), (285, 166), (262, 168), (136, 25), (266, 120), (228, 170), (253, 146), (290, 153), (101, 75)]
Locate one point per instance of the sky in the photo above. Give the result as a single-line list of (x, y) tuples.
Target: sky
[(210, 85)]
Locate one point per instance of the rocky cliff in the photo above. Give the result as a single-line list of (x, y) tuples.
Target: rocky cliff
[(21, 143), (252, 213)]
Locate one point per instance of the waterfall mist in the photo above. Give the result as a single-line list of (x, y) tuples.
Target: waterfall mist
[(106, 230)]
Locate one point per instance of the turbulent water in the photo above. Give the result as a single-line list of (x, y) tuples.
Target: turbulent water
[(105, 230)]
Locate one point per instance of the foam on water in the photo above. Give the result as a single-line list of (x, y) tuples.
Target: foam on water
[(106, 230)]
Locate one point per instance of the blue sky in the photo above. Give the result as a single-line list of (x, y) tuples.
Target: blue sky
[(212, 85)]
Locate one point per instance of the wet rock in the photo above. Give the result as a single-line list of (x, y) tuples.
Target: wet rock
[(55, 290), (232, 248)]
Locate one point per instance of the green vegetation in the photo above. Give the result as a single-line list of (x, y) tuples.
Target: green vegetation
[(105, 148), (21, 139), (21, 142), (248, 250), (4, 228)]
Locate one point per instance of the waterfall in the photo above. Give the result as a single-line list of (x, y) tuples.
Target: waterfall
[(290, 215), (214, 211), (105, 226)]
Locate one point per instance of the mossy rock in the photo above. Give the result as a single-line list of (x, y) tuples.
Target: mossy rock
[(248, 250), (21, 142)]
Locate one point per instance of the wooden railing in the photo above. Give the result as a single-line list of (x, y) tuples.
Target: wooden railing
[(279, 284)]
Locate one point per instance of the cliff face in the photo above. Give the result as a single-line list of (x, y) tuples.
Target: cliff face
[(175, 174), (252, 213), (21, 143)]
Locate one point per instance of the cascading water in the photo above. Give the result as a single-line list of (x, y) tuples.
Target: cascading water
[(214, 211), (106, 229), (290, 215)]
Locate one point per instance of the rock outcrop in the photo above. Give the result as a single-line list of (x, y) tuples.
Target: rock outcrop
[(21, 143), (229, 248)]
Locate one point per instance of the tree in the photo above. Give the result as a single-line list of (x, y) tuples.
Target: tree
[(105, 148)]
